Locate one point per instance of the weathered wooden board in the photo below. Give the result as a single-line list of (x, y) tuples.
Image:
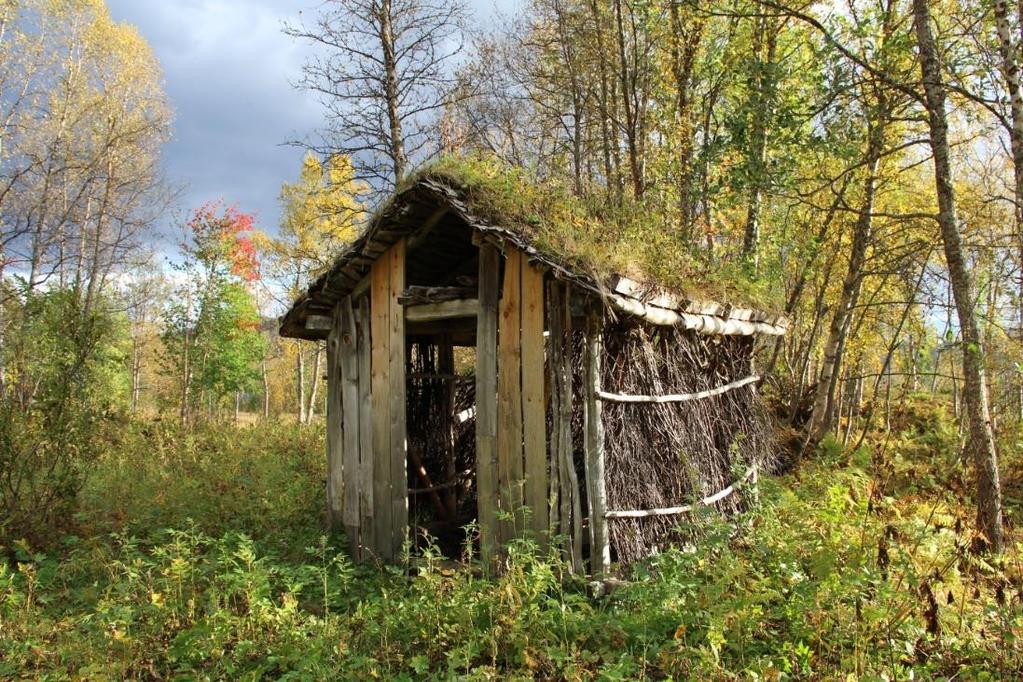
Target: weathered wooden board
[(396, 397), (444, 310), (593, 437), (367, 462), (486, 398), (534, 409), (510, 467), (335, 465), (380, 282), (347, 341)]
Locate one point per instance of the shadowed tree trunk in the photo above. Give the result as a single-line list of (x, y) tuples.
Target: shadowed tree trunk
[(822, 419), (765, 48), (397, 138)]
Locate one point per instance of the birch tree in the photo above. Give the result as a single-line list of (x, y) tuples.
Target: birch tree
[(383, 76), (981, 441)]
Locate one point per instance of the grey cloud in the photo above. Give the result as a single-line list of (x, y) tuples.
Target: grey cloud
[(227, 71)]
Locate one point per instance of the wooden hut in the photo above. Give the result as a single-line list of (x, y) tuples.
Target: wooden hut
[(593, 410)]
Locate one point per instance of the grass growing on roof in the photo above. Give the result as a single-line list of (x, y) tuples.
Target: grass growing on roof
[(594, 236)]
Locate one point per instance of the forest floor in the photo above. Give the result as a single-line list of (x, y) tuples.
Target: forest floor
[(202, 556)]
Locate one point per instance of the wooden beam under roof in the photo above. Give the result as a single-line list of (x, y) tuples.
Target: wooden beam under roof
[(445, 310)]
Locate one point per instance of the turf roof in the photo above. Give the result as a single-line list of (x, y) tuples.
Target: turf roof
[(587, 240), (592, 236)]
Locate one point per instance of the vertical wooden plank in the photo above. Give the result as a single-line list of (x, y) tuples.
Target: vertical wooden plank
[(554, 498), (366, 453), (510, 468), (534, 408), (349, 376), (335, 462), (593, 430), (380, 289), (396, 355), (486, 401)]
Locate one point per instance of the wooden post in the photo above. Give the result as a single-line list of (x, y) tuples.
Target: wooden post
[(367, 464), (380, 406), (388, 402), (335, 462), (510, 467), (570, 505), (486, 400), (593, 428), (347, 340), (534, 420), (397, 359), (446, 365)]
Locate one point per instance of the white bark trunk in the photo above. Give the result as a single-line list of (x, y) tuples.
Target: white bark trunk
[(975, 399)]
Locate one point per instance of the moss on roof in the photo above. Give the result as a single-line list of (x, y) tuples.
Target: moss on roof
[(633, 239)]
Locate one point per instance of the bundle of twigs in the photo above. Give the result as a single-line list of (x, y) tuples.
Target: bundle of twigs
[(428, 423), (670, 454)]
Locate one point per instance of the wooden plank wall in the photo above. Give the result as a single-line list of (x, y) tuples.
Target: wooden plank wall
[(367, 510), (521, 440), (534, 406), (387, 400), (348, 363), (510, 464)]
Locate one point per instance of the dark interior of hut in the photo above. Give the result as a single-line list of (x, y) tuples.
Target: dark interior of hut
[(441, 267), (440, 395)]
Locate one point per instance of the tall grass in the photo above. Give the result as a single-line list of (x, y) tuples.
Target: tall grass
[(201, 556)]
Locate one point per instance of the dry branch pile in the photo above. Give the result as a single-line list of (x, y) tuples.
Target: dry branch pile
[(427, 401), (670, 454)]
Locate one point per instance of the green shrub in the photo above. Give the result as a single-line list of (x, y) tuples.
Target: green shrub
[(63, 384)]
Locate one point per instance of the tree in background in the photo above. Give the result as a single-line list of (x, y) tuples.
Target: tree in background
[(82, 120), (975, 390), (382, 75), (320, 215), (212, 344)]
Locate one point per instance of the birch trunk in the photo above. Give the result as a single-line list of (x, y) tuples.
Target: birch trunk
[(266, 392), (391, 94), (763, 94), (1008, 51), (981, 440), (822, 416), (136, 374), (310, 410)]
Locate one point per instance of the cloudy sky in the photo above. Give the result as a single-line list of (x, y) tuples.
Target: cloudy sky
[(228, 71)]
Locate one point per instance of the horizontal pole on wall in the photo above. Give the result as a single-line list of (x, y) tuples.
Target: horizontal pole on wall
[(674, 511), (680, 397)]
